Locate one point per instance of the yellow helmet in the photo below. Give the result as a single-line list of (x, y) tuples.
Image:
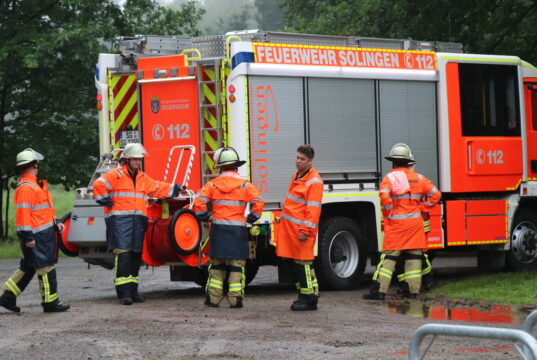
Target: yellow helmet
[(400, 152), (27, 156), (227, 156), (134, 151)]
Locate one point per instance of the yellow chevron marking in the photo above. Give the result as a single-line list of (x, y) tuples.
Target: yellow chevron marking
[(209, 117), (126, 86), (208, 94), (121, 118), (210, 141), (113, 81), (209, 161)]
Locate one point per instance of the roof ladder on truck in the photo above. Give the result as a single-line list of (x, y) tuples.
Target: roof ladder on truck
[(211, 114)]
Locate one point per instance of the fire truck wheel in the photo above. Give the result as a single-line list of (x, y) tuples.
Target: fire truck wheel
[(522, 255), (341, 257), (251, 272), (68, 249)]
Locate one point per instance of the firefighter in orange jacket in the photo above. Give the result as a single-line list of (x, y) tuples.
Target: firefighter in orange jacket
[(124, 192), (229, 194), (36, 228), (299, 226), (427, 276), (401, 193)]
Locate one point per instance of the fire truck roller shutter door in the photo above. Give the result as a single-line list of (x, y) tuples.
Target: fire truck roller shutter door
[(408, 115)]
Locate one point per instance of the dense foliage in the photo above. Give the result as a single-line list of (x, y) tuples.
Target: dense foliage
[(482, 26), (48, 50)]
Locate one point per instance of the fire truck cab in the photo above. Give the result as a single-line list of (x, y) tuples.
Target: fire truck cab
[(469, 119)]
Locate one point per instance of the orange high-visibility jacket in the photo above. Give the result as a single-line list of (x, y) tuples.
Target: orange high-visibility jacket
[(127, 198), (126, 220), (403, 223), (300, 213), (35, 220), (229, 195)]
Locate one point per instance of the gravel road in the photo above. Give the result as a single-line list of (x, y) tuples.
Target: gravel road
[(173, 323)]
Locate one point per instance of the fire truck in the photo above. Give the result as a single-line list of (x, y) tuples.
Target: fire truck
[(470, 120)]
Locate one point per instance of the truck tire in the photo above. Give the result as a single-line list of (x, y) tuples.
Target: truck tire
[(341, 257), (522, 255), (67, 248), (251, 272)]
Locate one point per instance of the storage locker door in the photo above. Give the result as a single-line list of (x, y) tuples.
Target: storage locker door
[(276, 130), (407, 112), (342, 127)]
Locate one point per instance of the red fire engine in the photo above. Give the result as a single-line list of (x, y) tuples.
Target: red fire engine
[(471, 121)]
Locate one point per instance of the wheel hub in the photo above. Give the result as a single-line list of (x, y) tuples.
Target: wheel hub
[(524, 242), (337, 255), (343, 254)]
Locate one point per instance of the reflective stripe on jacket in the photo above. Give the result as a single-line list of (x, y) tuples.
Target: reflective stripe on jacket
[(35, 220), (229, 194), (126, 221), (403, 223), (301, 213), (127, 198)]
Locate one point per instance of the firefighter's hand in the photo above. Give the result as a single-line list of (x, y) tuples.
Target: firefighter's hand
[(302, 236), (30, 244), (177, 188), (61, 227)]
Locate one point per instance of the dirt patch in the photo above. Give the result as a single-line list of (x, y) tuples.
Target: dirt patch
[(173, 324)]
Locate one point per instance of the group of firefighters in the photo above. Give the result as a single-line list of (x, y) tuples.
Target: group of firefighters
[(405, 197)]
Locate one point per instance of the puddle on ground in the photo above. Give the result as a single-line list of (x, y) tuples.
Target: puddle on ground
[(460, 310)]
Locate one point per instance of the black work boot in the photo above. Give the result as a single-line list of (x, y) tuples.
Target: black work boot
[(123, 292), (404, 289), (300, 299), (135, 295), (49, 287), (374, 293), (306, 303), (238, 303), (428, 281), (55, 306), (207, 301), (9, 301)]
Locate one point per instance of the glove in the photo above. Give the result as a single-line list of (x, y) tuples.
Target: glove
[(177, 188), (105, 202), (251, 218)]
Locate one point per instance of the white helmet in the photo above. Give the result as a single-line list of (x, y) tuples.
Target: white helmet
[(27, 156), (134, 151), (400, 152), (412, 160), (227, 156)]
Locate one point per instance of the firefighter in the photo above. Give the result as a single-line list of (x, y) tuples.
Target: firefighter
[(427, 275), (36, 228), (124, 192), (229, 195), (299, 225), (401, 193)]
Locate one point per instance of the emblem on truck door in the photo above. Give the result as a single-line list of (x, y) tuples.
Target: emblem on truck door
[(155, 104)]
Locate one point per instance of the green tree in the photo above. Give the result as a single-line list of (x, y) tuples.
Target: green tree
[(482, 26), (48, 51), (269, 15), (226, 15)]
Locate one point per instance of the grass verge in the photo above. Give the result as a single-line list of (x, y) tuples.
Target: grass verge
[(511, 287)]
